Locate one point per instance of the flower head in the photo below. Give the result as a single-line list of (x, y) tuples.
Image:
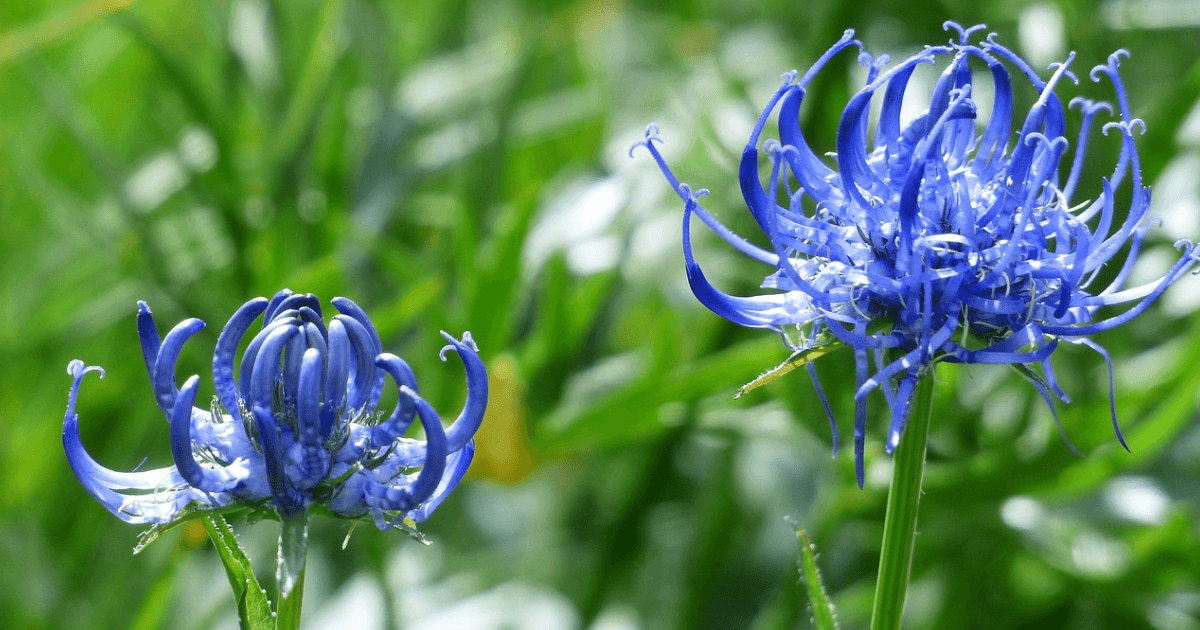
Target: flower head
[(297, 429), (944, 238)]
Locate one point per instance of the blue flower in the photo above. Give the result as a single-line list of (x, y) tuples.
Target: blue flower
[(948, 238), (298, 428)]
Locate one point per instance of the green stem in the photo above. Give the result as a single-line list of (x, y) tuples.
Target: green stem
[(900, 524), (293, 547), (289, 606)]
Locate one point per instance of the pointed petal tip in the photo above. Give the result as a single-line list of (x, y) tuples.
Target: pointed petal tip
[(893, 442)]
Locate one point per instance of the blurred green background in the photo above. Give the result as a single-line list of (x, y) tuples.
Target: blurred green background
[(463, 165)]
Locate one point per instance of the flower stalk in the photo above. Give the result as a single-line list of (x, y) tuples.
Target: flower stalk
[(288, 613), (900, 523)]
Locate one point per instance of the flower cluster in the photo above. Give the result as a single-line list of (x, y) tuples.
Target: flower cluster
[(943, 238), (297, 428)]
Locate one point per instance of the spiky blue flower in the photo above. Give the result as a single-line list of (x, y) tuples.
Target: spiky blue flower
[(948, 238), (298, 428)]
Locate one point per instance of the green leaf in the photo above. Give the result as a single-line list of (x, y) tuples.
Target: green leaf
[(822, 608), (254, 609), (799, 358), (187, 515)]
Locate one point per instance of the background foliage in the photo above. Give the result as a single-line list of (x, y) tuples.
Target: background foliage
[(462, 165)]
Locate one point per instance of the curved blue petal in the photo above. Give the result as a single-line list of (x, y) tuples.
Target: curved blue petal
[(407, 496), (348, 307), (456, 467), (148, 496), (251, 355), (273, 305), (288, 501), (467, 423), (362, 369), (227, 342), (199, 477), (148, 337), (314, 462), (266, 372), (164, 364), (402, 417), (337, 372)]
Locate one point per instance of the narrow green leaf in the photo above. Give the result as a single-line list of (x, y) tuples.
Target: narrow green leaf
[(821, 606), (1030, 376), (819, 347), (254, 610), (798, 359)]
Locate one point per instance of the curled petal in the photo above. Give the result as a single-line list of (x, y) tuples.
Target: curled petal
[(227, 342), (252, 350), (164, 364), (265, 373), (411, 494), (273, 307), (293, 357), (298, 302), (362, 372), (456, 468), (348, 307), (199, 477), (404, 414), (766, 311), (468, 421), (336, 374), (148, 496)]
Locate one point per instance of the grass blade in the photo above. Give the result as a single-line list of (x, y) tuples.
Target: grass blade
[(821, 606)]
